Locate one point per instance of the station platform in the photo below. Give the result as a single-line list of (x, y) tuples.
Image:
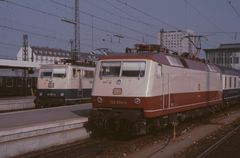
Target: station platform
[(16, 103), (26, 131)]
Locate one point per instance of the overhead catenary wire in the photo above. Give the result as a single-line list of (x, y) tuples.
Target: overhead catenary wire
[(129, 17), (60, 17), (147, 14), (103, 19), (33, 9), (57, 16), (36, 34), (38, 28), (133, 18), (10, 44), (202, 15), (233, 8)]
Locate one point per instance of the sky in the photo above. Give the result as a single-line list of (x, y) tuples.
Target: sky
[(102, 22)]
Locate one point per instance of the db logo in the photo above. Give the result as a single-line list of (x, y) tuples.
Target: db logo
[(50, 85), (117, 91)]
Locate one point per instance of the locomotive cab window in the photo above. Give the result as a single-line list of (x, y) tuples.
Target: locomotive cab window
[(60, 73), (110, 69), (46, 74), (133, 69)]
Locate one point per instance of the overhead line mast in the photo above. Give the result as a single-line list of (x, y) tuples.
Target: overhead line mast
[(76, 23), (77, 30)]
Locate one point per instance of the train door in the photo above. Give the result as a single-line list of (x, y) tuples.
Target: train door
[(80, 75), (166, 96)]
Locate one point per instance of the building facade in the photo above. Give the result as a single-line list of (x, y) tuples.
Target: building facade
[(43, 55), (177, 41), (227, 55)]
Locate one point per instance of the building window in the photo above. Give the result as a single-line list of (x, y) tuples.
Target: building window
[(235, 60)]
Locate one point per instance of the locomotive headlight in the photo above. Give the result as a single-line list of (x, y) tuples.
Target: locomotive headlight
[(40, 94), (99, 100), (62, 94), (137, 100)]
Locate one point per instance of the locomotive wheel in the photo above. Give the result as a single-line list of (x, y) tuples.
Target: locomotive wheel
[(96, 124), (124, 129)]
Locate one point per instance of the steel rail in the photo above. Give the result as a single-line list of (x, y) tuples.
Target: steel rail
[(218, 143)]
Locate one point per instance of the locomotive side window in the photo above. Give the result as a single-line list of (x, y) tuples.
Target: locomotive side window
[(235, 82), (74, 72), (1, 82), (159, 71), (20, 82), (238, 82), (88, 74), (133, 69), (174, 61), (211, 68), (225, 82), (110, 68), (29, 82), (230, 82)]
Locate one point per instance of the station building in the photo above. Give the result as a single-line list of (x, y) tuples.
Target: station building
[(43, 55), (227, 55)]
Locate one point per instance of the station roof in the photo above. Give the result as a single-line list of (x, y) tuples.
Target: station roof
[(18, 64), (229, 46)]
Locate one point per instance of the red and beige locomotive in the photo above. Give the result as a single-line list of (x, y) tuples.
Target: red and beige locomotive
[(135, 92)]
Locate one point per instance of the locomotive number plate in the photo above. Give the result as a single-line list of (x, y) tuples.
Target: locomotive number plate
[(117, 91)]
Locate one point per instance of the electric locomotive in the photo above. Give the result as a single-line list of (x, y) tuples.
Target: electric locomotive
[(134, 93), (62, 84)]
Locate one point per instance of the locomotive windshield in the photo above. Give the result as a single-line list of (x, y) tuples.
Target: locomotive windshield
[(133, 69), (129, 68), (110, 68), (59, 73), (47, 73), (53, 73)]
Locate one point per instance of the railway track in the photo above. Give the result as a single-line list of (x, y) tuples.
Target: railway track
[(213, 147), (81, 149)]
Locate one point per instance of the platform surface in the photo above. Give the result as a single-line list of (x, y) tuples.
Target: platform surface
[(13, 120)]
